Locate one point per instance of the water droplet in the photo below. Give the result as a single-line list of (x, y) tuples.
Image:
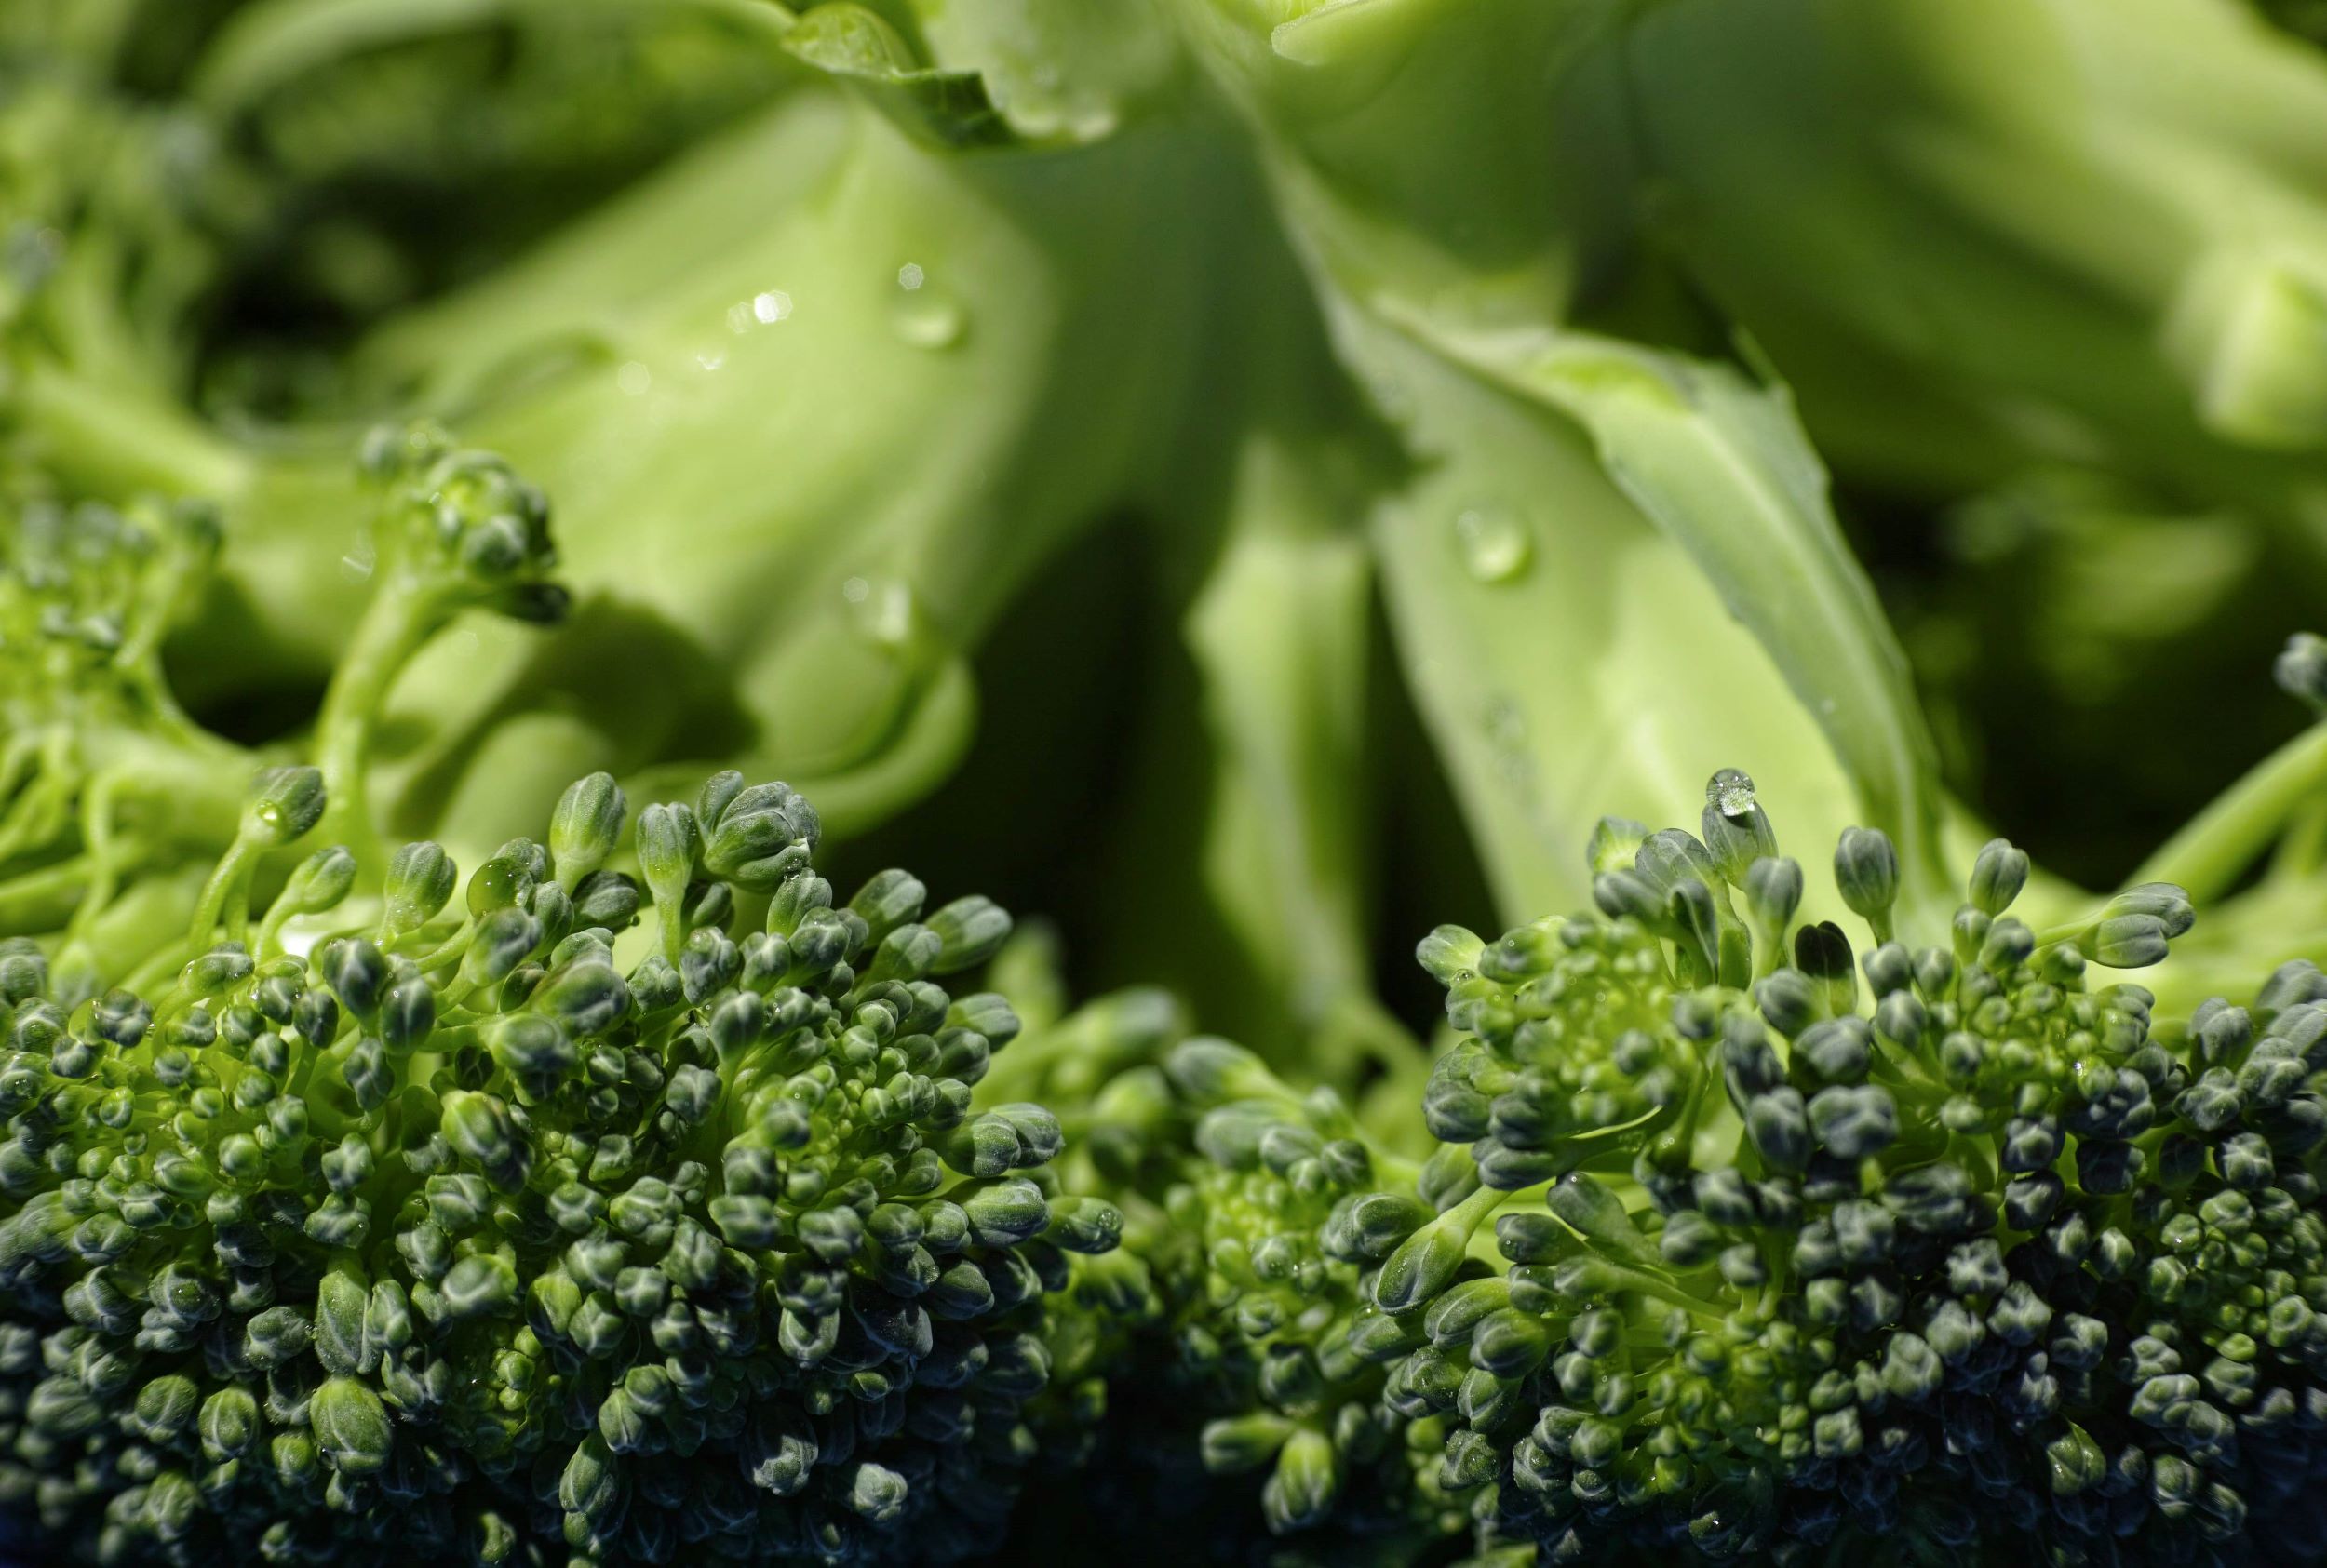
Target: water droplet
[(910, 277), (1494, 541), (633, 378), (712, 360), (1507, 735), (764, 309), (927, 317), (1730, 792), (884, 607)]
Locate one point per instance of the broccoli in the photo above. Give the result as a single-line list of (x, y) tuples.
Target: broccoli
[(1739, 1239), (455, 1235), (116, 799), (342, 1218), (645, 1204)]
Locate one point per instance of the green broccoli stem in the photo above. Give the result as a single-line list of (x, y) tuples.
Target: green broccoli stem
[(2215, 847), (404, 613), (226, 897), (118, 439), (2303, 847), (45, 898), (200, 787)]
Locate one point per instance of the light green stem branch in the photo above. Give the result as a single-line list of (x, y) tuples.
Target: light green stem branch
[(2206, 858), (400, 619)]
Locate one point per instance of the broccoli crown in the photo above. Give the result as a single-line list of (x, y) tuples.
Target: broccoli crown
[(1945, 1248), (1226, 1333), (1739, 1243), (459, 1238)]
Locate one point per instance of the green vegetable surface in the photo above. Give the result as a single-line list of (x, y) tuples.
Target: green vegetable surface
[(1257, 483)]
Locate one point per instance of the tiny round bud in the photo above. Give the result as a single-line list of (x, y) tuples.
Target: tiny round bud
[(284, 803), (586, 826), (1614, 844), (1998, 876), (1736, 830), (420, 883), (350, 1426), (763, 835), (321, 882), (1866, 870), (1450, 954), (969, 931), (1773, 892), (668, 842), (2163, 902)]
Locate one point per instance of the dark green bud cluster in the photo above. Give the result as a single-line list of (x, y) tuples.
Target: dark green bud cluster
[(544, 1217), (1930, 1252), (1592, 1044), (1744, 1241), (1235, 1328), (1280, 1192)]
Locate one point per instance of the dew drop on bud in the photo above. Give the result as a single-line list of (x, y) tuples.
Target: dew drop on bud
[(1494, 543), (1730, 792), (924, 315)]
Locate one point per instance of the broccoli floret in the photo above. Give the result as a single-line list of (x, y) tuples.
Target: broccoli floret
[(1935, 1248), (1741, 1239), (461, 1236), (1225, 1337), (114, 803)]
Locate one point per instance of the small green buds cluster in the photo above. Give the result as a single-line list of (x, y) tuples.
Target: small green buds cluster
[(1744, 1242), (461, 523), (543, 1216), (1235, 1336), (101, 778), (123, 823), (1926, 1251), (1277, 1195), (92, 589)]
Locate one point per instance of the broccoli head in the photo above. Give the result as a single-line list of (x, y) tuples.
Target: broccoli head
[(1741, 1239), (456, 1233)]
